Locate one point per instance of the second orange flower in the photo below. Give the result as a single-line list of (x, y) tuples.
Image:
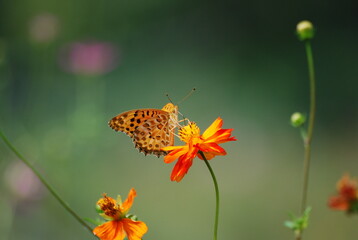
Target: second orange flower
[(196, 144)]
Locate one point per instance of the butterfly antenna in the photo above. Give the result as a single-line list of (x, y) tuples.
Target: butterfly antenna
[(187, 96), (170, 100)]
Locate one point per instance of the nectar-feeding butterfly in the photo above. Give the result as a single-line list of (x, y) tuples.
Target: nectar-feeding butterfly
[(150, 129)]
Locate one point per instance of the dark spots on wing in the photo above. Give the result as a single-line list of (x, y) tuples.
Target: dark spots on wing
[(132, 119), (127, 129), (138, 120), (146, 125), (131, 125), (157, 145), (121, 122)]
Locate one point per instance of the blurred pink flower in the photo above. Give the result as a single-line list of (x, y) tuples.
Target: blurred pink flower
[(44, 27), (22, 182), (89, 58)]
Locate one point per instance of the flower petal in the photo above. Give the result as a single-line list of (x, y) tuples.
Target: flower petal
[(338, 203), (184, 163), (134, 229), (221, 136), (175, 153), (347, 187), (112, 230), (214, 127), (208, 156), (170, 148), (127, 204), (212, 148), (181, 168)]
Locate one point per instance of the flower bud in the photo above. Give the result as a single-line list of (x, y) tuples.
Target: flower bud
[(305, 30), (132, 216), (297, 119), (98, 209)]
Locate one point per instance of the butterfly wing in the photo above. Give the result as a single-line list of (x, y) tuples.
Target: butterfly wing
[(155, 133), (127, 122), (150, 129)]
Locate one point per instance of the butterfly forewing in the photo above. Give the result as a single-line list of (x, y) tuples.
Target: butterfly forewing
[(127, 122), (150, 129)]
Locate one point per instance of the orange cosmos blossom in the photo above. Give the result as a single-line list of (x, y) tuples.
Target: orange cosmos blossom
[(207, 143), (119, 225), (347, 198)]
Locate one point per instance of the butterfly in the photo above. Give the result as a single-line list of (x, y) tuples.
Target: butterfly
[(151, 129)]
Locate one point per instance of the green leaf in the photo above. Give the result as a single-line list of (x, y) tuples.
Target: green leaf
[(298, 224)]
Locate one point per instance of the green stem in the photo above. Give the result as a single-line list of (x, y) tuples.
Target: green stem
[(47, 185), (216, 195), (308, 137)]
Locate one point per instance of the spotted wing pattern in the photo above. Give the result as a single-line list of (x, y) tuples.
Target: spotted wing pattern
[(150, 129)]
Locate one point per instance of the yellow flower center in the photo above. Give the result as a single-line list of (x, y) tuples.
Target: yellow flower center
[(188, 132), (109, 207)]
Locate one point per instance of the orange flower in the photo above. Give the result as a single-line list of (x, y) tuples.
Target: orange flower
[(207, 143), (120, 225), (347, 198)]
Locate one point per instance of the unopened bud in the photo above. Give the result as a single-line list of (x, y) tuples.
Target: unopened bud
[(98, 209), (305, 30), (297, 119)]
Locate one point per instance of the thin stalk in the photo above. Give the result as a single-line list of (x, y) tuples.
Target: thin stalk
[(217, 195), (45, 183), (308, 139)]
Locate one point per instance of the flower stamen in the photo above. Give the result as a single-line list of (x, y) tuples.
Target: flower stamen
[(189, 131)]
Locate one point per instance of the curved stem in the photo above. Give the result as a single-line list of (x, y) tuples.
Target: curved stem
[(216, 195), (308, 139), (45, 183)]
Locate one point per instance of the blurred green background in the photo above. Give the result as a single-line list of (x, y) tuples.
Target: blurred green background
[(247, 66)]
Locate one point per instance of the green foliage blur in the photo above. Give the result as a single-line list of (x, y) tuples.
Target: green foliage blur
[(248, 67)]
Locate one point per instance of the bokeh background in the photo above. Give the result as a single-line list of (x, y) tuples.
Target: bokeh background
[(67, 67)]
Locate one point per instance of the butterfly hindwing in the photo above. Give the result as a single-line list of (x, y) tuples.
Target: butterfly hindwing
[(154, 134)]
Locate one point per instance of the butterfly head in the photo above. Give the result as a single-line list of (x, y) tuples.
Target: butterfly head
[(170, 108)]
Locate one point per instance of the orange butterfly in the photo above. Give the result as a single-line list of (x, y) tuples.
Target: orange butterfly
[(150, 129)]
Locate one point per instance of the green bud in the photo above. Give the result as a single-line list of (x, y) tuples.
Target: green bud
[(305, 30), (98, 209), (132, 216), (297, 119)]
